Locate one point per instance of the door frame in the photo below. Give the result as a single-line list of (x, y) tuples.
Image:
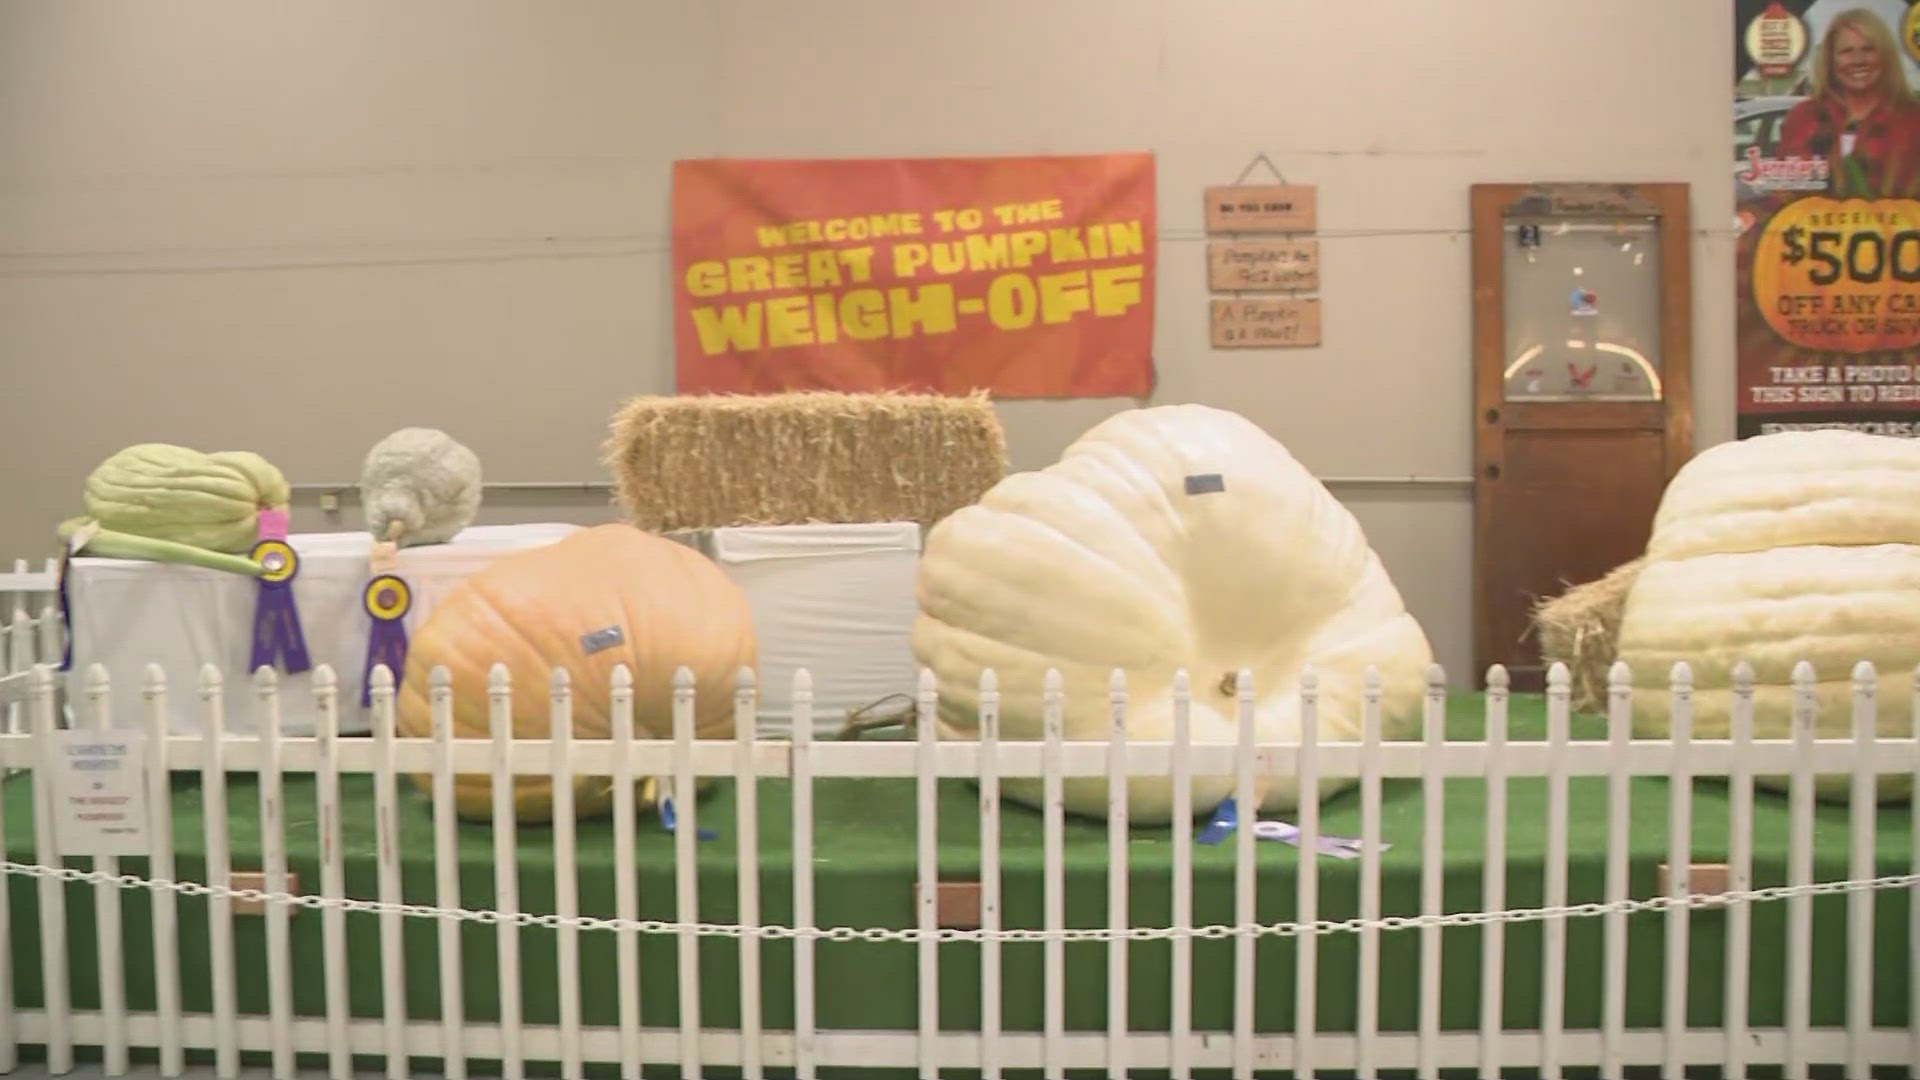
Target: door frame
[(1669, 203)]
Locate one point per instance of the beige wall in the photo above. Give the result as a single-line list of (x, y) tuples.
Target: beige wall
[(292, 228)]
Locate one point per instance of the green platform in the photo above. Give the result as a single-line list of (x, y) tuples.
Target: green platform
[(865, 865)]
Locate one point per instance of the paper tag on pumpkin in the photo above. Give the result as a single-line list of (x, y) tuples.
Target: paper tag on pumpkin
[(602, 639), (1206, 483)]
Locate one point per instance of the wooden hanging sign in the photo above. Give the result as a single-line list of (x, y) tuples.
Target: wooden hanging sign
[(1266, 323), (1263, 265), (1262, 208)]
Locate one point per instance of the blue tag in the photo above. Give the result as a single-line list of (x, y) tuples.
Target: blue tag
[(670, 821), (1225, 818)]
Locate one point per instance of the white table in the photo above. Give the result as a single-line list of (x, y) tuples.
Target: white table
[(126, 614)]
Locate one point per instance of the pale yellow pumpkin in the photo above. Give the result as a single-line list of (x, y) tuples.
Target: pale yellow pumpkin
[(604, 596), (1802, 545)]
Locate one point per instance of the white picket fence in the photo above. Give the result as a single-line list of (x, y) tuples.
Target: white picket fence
[(31, 628), (451, 1042)]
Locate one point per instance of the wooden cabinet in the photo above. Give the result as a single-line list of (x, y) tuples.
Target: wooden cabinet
[(1583, 396)]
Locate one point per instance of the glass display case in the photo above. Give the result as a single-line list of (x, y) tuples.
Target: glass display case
[(1582, 310)]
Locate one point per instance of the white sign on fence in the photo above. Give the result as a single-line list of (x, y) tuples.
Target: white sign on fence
[(99, 793)]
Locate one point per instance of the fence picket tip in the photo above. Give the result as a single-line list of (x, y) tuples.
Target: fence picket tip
[(1309, 679), (1865, 677), (683, 678), (382, 678), (1183, 682), (324, 677), (1436, 678), (802, 682), (1743, 678), (440, 678), (745, 678), (155, 677), (97, 675), (622, 677), (989, 681), (1497, 677), (1052, 684), (210, 676), (1116, 682), (1680, 676), (560, 678), (1372, 680), (1619, 676), (265, 679), (1803, 675), (927, 682), (1243, 682), (1559, 679)]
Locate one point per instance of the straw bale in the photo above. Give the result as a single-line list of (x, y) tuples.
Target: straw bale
[(1581, 628), (685, 462)]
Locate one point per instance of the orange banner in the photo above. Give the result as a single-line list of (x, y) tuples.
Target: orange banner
[(1021, 276)]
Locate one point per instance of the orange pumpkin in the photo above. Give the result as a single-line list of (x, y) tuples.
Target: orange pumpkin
[(602, 597)]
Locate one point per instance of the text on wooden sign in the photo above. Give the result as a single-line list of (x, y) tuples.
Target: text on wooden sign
[(1264, 208), (1266, 323), (1278, 265)]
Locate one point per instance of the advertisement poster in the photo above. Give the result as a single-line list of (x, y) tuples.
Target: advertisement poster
[(1827, 197), (1022, 276)]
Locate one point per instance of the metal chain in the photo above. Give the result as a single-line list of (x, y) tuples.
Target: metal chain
[(888, 934)]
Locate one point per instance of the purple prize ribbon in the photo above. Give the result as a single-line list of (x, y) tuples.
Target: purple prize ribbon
[(387, 601), (276, 620)]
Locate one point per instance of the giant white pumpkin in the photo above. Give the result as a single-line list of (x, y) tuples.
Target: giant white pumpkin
[(1169, 538), (1794, 546)]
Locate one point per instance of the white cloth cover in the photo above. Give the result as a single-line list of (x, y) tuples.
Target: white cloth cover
[(126, 614), (836, 599)]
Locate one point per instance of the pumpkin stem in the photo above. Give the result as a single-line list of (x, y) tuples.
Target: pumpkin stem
[(1229, 683), (858, 722)]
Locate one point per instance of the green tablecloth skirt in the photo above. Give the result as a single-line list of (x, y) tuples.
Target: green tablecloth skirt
[(864, 866)]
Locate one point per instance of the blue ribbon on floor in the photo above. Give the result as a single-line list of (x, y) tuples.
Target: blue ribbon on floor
[(670, 821), (1226, 818)]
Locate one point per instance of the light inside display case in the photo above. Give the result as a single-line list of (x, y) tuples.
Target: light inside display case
[(1582, 318)]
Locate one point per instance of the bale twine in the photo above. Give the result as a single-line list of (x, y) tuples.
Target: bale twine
[(1581, 628), (715, 461)]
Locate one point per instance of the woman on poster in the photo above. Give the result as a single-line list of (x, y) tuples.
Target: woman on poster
[(1860, 114)]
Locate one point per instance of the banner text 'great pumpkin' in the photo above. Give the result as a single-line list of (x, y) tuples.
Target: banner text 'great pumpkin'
[(1026, 277)]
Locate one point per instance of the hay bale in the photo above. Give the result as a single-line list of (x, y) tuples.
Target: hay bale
[(714, 461), (1580, 628)]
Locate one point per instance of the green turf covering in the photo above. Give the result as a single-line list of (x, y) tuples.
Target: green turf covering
[(865, 866)]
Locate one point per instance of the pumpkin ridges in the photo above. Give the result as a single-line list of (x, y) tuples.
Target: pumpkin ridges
[(526, 610)]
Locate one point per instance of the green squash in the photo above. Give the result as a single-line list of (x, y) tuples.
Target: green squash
[(165, 492)]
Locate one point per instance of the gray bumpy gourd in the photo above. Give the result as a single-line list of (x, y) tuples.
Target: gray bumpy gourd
[(419, 486)]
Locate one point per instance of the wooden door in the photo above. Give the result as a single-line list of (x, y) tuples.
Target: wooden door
[(1583, 396)]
